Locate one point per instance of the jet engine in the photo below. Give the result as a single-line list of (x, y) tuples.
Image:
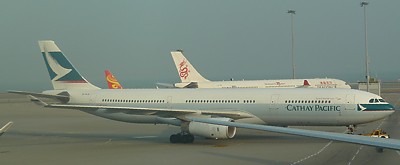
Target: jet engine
[(211, 130)]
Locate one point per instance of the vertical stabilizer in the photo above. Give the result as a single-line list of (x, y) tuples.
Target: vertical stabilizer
[(63, 74), (306, 83), (186, 72), (112, 82)]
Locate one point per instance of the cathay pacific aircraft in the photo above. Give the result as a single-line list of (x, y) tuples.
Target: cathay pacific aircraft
[(216, 113), (190, 78)]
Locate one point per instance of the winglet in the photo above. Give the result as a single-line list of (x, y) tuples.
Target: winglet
[(5, 127), (112, 81)]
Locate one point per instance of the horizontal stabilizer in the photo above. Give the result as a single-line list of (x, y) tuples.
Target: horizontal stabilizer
[(166, 85), (62, 98), (192, 85), (38, 101)]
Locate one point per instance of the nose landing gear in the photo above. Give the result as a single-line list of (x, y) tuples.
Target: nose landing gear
[(351, 129)]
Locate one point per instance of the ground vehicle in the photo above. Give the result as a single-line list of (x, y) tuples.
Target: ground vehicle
[(377, 133)]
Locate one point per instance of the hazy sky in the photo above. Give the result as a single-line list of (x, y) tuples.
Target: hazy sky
[(240, 39)]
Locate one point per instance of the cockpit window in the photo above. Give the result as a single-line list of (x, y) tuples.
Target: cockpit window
[(377, 101)]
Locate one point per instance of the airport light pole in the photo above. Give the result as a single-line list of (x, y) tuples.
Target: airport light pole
[(364, 5), (292, 12)]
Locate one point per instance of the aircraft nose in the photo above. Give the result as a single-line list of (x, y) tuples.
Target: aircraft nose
[(388, 107), (392, 107)]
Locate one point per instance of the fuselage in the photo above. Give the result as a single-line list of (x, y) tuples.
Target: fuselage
[(283, 83), (283, 107)]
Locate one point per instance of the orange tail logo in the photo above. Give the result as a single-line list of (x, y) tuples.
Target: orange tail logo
[(112, 81)]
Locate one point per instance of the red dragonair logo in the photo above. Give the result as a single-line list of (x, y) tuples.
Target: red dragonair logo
[(112, 82), (183, 69)]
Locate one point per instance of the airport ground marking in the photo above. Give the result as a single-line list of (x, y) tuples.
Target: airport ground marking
[(315, 154), (312, 155), (359, 149)]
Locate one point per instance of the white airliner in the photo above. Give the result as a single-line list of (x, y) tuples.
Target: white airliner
[(5, 128), (210, 112), (190, 78)]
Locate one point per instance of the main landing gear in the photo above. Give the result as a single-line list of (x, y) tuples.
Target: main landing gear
[(351, 129), (181, 138)]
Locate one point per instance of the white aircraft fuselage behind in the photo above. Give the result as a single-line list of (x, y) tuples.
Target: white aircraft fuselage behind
[(283, 83), (191, 78)]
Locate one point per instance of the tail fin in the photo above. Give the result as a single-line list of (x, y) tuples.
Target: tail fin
[(306, 83), (112, 81), (186, 71), (62, 73)]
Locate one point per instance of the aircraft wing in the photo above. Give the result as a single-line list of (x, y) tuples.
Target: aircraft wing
[(5, 127), (357, 139), (161, 112)]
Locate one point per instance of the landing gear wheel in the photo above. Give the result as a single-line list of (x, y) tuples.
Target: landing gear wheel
[(175, 138), (181, 138), (187, 138)]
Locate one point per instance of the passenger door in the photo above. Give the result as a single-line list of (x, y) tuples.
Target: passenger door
[(273, 106), (350, 102)]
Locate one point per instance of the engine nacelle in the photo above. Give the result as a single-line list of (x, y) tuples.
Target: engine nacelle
[(211, 130)]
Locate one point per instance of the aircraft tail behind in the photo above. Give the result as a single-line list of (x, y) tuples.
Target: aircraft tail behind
[(63, 74), (186, 71), (112, 82)]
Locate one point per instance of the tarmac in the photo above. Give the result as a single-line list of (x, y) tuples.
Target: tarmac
[(56, 136)]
